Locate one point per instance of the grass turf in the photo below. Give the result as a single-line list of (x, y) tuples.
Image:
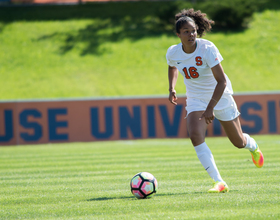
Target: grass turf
[(81, 51), (91, 181)]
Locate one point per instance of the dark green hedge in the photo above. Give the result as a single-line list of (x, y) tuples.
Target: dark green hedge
[(227, 14), (231, 13)]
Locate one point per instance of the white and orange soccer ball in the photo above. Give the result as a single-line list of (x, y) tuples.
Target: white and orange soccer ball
[(143, 185)]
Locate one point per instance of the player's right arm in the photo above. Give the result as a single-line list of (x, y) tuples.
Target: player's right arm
[(172, 77)]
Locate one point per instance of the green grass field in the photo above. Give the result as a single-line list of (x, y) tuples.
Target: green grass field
[(91, 181), (119, 49), (91, 51)]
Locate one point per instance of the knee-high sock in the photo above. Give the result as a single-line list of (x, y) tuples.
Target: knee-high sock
[(207, 160), (251, 143)]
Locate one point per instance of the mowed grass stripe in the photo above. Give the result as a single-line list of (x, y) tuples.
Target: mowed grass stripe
[(91, 181)]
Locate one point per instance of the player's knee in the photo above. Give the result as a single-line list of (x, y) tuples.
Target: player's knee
[(196, 138)]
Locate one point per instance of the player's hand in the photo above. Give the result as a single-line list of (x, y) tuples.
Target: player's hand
[(208, 115), (173, 97)]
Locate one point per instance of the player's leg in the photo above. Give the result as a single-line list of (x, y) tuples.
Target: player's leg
[(241, 140), (197, 129), (234, 132)]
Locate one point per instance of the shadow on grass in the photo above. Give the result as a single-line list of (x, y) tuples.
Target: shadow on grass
[(109, 198), (133, 197), (157, 195), (109, 30), (111, 22)]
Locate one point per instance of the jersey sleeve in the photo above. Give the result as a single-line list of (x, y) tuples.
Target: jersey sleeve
[(169, 60), (213, 56)]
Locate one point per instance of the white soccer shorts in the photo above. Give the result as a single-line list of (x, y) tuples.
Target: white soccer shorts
[(225, 110)]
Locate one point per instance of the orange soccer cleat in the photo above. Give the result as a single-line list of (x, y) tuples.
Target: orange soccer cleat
[(219, 187), (257, 157)]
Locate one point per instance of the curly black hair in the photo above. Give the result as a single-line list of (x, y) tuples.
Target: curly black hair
[(202, 23)]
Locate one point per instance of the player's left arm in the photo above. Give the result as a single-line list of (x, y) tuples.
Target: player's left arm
[(220, 77)]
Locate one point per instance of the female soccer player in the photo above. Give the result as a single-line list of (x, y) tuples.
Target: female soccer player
[(209, 92)]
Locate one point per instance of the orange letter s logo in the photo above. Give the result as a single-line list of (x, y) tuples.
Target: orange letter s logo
[(198, 61)]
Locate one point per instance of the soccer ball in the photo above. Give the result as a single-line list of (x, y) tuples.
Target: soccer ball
[(143, 185)]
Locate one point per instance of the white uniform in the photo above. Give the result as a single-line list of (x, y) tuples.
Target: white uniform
[(198, 77)]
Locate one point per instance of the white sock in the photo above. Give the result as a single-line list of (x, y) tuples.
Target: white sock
[(207, 160), (251, 143)]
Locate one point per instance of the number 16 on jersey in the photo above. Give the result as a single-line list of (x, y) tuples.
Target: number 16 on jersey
[(191, 72)]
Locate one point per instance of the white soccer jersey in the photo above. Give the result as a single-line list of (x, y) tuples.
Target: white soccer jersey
[(196, 68)]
